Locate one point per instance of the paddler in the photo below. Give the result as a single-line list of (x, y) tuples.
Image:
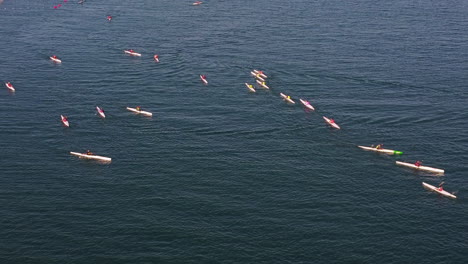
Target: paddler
[(332, 121), (138, 108), (109, 18), (440, 189), (418, 163), (263, 83), (289, 97), (379, 146), (203, 76), (251, 86), (89, 152)]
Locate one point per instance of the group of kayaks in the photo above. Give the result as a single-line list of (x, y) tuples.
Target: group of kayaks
[(415, 166), (101, 113), (260, 78)]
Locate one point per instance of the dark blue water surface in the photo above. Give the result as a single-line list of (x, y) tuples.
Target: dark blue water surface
[(218, 174)]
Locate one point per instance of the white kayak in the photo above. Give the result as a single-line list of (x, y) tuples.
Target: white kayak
[(203, 79), (262, 84), (57, 60), (64, 121), (437, 190), (425, 168), (287, 98), (86, 156), (250, 87), (100, 112), (381, 150), (139, 111), (133, 53), (256, 75), (156, 58), (307, 104), (260, 73), (331, 122), (197, 3), (10, 86)]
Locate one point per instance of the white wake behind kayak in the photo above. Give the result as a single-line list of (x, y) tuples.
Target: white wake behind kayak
[(86, 156), (331, 123), (256, 75), (64, 121), (57, 60), (100, 112), (251, 88), (262, 85), (133, 53), (385, 151), (10, 86), (435, 189), (139, 112), (260, 73), (424, 168), (287, 99), (306, 104)]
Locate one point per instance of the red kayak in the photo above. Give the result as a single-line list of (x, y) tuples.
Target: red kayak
[(100, 112), (10, 86), (203, 78), (64, 121)]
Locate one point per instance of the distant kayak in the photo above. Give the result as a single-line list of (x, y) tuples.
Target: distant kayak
[(331, 122), (197, 3), (10, 86), (250, 87), (64, 121), (100, 112), (424, 168), (203, 78), (139, 111), (55, 59), (381, 150), (260, 73), (92, 156), (306, 104), (262, 84), (437, 190), (257, 76), (132, 53), (287, 98), (156, 58)]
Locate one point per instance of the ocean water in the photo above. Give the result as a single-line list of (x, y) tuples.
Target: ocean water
[(218, 174)]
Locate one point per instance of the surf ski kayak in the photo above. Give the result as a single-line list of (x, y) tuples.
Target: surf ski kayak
[(133, 53), (331, 122), (92, 156), (287, 98), (10, 86), (64, 121), (250, 87), (257, 76), (424, 168), (197, 3), (100, 112), (262, 84), (386, 151), (263, 75), (139, 111), (437, 190), (307, 104), (55, 59), (203, 78), (156, 58)]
